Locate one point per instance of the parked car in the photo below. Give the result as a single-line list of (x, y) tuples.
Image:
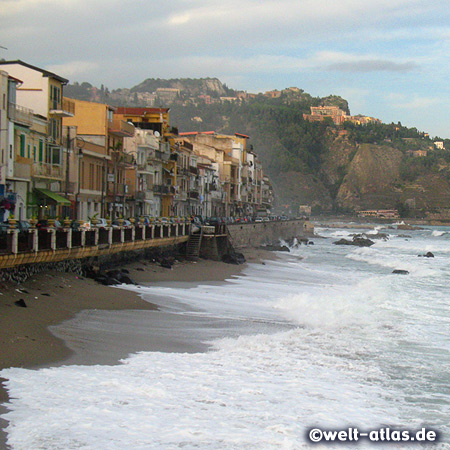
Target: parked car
[(4, 227), (266, 219), (101, 223), (124, 223), (258, 219), (21, 225)]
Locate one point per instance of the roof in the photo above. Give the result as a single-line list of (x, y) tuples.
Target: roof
[(16, 80), (195, 133), (141, 111), (242, 135), (44, 72)]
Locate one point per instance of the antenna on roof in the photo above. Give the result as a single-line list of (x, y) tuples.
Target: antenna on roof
[(1, 46)]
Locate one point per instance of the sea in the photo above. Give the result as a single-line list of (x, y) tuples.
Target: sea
[(322, 337)]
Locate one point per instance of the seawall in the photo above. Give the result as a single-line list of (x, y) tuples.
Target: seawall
[(257, 234)]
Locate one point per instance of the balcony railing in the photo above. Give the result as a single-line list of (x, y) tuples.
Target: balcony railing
[(20, 115), (163, 189), (64, 109), (121, 128), (45, 170)]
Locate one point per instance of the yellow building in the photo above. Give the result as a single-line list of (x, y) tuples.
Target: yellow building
[(102, 187)]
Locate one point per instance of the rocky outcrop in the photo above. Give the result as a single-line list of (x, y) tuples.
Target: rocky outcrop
[(356, 241), (370, 181)]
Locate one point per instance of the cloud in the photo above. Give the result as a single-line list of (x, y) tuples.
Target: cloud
[(401, 101), (74, 69), (374, 65)]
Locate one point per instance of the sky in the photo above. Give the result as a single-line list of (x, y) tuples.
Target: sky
[(388, 58)]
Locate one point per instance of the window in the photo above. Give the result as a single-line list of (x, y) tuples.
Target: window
[(56, 155), (41, 150), (29, 151), (22, 145), (34, 153)]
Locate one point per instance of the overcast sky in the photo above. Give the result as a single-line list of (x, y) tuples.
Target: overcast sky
[(388, 58)]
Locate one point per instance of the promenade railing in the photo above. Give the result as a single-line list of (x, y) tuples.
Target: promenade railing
[(14, 241)]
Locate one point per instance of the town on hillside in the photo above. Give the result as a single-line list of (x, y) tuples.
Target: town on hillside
[(74, 159)]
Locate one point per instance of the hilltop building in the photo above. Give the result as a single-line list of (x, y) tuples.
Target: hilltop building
[(337, 115)]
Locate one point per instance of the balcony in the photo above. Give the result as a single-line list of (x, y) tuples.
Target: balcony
[(144, 195), (163, 189), (194, 195), (120, 128), (45, 170), (64, 109), (20, 115)]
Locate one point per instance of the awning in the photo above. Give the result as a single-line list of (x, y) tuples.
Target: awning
[(55, 197)]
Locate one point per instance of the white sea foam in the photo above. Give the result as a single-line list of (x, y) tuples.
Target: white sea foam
[(355, 345)]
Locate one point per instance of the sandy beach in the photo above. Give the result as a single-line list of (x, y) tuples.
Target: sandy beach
[(53, 298)]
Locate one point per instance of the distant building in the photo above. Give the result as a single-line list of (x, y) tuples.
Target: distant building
[(273, 94), (439, 145), (319, 113), (417, 153), (337, 115)]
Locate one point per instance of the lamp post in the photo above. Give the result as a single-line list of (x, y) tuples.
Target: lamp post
[(78, 206)]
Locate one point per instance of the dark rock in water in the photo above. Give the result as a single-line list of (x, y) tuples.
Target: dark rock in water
[(140, 269), (47, 295), (21, 303), (362, 242), (400, 272), (357, 240), (276, 248), (124, 270), (343, 242), (404, 235), (427, 255), (310, 243), (379, 235)]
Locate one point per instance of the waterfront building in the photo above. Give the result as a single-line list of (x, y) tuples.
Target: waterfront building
[(146, 173), (240, 174), (162, 161), (33, 164), (102, 187)]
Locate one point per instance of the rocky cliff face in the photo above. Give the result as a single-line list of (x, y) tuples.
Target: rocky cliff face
[(371, 178)]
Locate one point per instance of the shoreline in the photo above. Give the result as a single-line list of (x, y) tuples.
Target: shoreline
[(53, 298)]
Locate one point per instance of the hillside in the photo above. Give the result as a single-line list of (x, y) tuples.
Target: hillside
[(333, 169)]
